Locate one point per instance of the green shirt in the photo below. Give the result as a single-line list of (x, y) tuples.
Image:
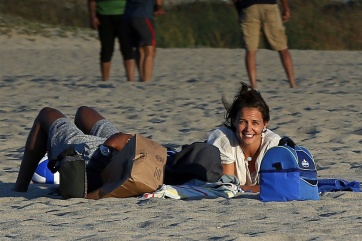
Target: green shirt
[(110, 7)]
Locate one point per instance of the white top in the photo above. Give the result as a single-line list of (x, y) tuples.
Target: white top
[(231, 152)]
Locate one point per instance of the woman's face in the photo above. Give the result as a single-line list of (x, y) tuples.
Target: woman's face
[(249, 126)]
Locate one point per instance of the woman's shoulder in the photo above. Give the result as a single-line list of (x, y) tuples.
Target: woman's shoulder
[(271, 134), (271, 137), (224, 139), (221, 132)]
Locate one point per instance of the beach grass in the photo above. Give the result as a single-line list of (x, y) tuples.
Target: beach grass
[(315, 24)]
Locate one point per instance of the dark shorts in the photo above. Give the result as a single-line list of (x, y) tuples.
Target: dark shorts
[(141, 31)]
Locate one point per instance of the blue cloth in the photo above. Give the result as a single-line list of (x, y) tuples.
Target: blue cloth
[(140, 8), (334, 185)]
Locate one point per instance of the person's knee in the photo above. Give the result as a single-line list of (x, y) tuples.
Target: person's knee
[(106, 56), (149, 50), (127, 53), (46, 111), (47, 116), (283, 51), (82, 109), (81, 112)]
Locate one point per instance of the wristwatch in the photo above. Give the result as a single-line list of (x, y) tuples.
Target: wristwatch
[(105, 150)]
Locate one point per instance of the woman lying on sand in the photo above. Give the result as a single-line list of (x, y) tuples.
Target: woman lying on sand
[(244, 138), (91, 135)]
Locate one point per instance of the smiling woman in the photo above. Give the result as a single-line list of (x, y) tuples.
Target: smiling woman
[(244, 137)]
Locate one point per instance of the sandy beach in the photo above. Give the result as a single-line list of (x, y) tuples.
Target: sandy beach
[(179, 106)]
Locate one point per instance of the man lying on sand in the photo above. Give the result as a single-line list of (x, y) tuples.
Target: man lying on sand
[(91, 135)]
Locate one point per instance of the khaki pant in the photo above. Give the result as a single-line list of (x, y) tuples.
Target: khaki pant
[(264, 17)]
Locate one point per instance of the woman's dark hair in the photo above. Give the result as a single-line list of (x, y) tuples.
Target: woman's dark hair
[(246, 97)]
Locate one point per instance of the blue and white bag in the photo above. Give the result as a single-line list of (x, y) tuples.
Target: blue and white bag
[(288, 172)]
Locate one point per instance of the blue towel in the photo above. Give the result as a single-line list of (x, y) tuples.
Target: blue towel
[(334, 185)]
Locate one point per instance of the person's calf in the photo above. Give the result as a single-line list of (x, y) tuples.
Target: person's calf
[(147, 68), (129, 66), (287, 63), (105, 70)]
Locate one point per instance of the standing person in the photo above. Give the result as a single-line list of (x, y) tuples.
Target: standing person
[(95, 138), (244, 137), (106, 16), (139, 15), (264, 14)]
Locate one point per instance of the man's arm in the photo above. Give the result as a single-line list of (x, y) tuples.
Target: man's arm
[(286, 11), (118, 141)]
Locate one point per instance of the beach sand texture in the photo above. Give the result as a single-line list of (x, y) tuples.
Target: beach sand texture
[(181, 105)]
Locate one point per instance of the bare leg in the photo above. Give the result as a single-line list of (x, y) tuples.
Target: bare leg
[(129, 66), (250, 61), (146, 60), (286, 60), (35, 147), (140, 62), (105, 70), (85, 118)]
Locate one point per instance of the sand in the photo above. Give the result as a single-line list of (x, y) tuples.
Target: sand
[(179, 106)]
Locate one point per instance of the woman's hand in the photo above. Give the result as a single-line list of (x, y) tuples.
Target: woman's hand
[(254, 189), (94, 23)]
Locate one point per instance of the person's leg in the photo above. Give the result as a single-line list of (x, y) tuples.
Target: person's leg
[(124, 34), (86, 118), (250, 25), (147, 62), (275, 33), (35, 147), (145, 36), (287, 62), (140, 62), (107, 36), (129, 66), (250, 62), (105, 70)]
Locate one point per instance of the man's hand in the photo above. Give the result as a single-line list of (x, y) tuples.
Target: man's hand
[(286, 15), (118, 141)]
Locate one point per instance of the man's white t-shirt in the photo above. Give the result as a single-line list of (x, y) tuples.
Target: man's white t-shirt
[(231, 152)]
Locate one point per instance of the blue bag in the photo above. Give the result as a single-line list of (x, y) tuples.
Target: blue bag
[(288, 172)]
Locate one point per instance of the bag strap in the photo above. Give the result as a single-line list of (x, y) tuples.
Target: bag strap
[(54, 165), (286, 141)]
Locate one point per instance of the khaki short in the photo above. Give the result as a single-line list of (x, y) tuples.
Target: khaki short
[(268, 18)]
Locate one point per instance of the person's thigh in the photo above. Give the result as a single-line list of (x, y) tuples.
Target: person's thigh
[(273, 27), (106, 36), (63, 134), (145, 32), (250, 25), (104, 128), (124, 36)]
